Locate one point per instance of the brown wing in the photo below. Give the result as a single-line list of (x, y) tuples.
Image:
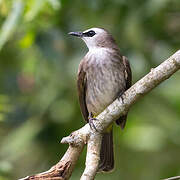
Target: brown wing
[(128, 74), (81, 84)]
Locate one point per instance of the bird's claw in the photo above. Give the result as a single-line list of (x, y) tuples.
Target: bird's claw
[(91, 119), (120, 96)]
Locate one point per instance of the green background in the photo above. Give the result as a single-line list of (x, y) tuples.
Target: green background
[(38, 96)]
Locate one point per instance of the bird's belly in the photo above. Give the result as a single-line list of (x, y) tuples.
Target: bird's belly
[(101, 92)]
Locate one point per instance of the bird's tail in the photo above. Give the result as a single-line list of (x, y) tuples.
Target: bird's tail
[(107, 153), (122, 121)]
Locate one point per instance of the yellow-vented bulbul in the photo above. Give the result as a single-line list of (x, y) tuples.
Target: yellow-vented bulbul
[(103, 75)]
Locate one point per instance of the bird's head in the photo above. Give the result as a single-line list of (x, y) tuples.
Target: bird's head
[(95, 38)]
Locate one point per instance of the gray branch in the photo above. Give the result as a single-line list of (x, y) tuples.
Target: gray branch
[(85, 135), (173, 178)]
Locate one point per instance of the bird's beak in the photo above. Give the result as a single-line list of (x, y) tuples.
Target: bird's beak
[(78, 34)]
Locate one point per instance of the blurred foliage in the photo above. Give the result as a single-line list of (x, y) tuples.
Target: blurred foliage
[(38, 97)]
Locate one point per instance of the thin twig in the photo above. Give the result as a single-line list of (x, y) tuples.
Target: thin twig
[(173, 178)]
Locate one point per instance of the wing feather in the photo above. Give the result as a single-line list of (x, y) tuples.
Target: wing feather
[(128, 73), (81, 84), (128, 77)]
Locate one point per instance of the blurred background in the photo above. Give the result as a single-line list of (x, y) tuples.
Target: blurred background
[(38, 96)]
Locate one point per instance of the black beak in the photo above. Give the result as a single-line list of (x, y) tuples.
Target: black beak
[(78, 34)]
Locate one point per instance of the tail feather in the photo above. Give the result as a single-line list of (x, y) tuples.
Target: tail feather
[(122, 121), (107, 153)]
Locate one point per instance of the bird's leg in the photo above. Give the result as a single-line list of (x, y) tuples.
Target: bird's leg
[(91, 119)]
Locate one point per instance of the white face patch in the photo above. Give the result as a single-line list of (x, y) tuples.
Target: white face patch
[(91, 42)]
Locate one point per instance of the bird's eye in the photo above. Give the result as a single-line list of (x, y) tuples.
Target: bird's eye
[(90, 33)]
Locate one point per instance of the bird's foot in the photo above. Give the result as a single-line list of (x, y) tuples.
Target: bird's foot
[(91, 119), (120, 96)]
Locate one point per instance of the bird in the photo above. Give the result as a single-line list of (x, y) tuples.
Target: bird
[(104, 74)]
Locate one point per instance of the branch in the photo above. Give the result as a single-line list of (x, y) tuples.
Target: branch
[(63, 169), (173, 178)]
